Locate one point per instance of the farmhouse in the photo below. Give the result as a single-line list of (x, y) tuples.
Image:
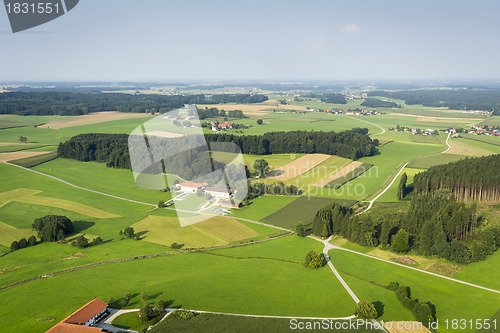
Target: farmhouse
[(219, 192), (191, 187), (81, 320)]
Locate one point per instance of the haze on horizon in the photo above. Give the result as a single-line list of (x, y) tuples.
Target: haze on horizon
[(158, 40)]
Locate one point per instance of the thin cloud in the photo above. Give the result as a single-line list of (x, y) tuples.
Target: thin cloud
[(316, 44), (350, 29)]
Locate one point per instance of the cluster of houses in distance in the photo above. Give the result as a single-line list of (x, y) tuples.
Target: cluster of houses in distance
[(356, 112), (478, 112), (413, 131), (477, 130)]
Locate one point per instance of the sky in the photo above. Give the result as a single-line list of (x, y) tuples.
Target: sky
[(163, 40)]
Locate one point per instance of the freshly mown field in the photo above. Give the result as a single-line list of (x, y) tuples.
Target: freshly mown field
[(214, 323), (262, 207), (301, 210), (300, 166), (8, 234), (29, 162), (32, 197), (349, 174), (452, 300), (197, 281), (215, 231), (323, 170)]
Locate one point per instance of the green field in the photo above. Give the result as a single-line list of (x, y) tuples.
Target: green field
[(452, 300), (323, 170), (98, 177), (349, 176), (211, 232), (29, 162), (262, 206), (491, 121), (129, 320), (436, 159), (301, 210), (483, 272), (213, 323), (391, 156), (391, 194), (214, 283)]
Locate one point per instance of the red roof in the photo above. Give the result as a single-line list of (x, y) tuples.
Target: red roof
[(74, 323), (192, 184)]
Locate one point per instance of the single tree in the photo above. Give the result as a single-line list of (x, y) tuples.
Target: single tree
[(129, 232), (23, 243), (259, 122), (402, 186), (300, 230), (365, 310), (261, 167), (314, 260), (32, 241), (400, 242), (14, 246)]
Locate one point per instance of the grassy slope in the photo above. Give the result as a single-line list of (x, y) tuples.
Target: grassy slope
[(211, 323), (262, 207), (96, 176), (196, 281), (452, 300)]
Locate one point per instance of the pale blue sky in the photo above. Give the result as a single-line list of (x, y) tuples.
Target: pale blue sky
[(165, 40)]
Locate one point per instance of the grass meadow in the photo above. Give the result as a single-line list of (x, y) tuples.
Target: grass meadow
[(214, 323), (197, 281), (301, 210), (262, 206), (451, 299)]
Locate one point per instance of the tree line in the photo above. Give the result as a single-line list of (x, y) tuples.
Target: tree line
[(74, 104), (470, 179), (352, 144), (377, 103), (112, 149), (462, 99), (214, 112)]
